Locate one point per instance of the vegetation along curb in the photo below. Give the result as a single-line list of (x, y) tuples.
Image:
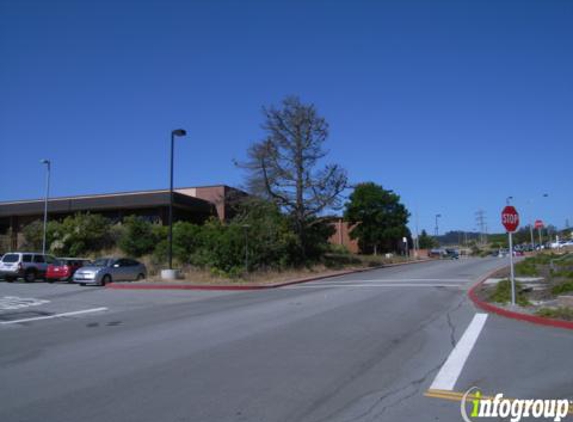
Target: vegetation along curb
[(534, 319)]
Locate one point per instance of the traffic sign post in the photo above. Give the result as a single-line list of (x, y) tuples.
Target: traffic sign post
[(510, 220), (539, 227)]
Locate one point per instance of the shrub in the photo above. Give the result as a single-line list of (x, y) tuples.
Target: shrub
[(138, 237), (562, 288), (526, 267), (502, 293), (560, 313)]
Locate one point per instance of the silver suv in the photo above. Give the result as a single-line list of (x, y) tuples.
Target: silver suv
[(28, 265)]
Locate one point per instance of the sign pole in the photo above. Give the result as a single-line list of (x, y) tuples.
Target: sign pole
[(511, 269), (510, 220)]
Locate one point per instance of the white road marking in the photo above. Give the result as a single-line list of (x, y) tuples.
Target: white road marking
[(85, 311), (451, 370), (322, 286), (8, 303), (400, 280)]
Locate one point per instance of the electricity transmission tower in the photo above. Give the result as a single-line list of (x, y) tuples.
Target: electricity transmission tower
[(482, 224)]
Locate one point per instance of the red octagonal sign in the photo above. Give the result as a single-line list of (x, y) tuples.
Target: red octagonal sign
[(510, 218)]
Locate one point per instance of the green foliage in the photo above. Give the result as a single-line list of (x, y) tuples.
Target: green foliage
[(272, 242), (80, 234), (427, 242), (559, 313), (34, 234), (526, 268), (260, 236), (502, 293), (138, 237), (562, 288), (379, 216)]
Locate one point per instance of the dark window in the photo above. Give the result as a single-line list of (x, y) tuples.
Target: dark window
[(11, 257), (39, 259), (27, 258)]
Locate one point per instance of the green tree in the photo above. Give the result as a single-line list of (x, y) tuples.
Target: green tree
[(80, 234), (426, 242), (379, 217), (137, 237), (34, 235), (287, 166)]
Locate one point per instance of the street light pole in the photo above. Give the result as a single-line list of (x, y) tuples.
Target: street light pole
[(48, 169), (246, 228), (177, 132)]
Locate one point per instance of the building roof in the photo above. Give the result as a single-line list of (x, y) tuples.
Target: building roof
[(130, 200)]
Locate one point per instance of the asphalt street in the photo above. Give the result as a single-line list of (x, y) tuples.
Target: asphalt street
[(361, 347)]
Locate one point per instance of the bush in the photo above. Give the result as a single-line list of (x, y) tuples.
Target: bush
[(502, 293), (560, 313), (138, 237), (82, 233), (34, 235), (562, 288), (526, 268)]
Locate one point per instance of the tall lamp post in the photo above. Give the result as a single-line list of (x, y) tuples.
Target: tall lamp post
[(48, 164), (246, 229), (176, 132)]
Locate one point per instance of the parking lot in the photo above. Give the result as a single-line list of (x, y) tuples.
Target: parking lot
[(25, 303)]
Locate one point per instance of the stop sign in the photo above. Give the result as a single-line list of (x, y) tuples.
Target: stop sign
[(510, 218), (538, 224)]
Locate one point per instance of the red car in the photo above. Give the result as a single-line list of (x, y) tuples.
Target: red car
[(64, 268)]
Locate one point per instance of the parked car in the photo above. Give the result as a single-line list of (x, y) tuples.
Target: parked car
[(436, 253), (28, 265), (106, 270), (452, 254), (64, 268)]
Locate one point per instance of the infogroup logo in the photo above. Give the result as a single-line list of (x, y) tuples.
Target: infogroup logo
[(516, 409)]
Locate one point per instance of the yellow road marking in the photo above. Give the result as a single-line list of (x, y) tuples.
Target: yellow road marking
[(455, 396)]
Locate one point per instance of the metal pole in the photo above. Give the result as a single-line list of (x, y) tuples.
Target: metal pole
[(246, 249), (539, 232), (531, 234), (47, 162), (511, 269), (171, 206)]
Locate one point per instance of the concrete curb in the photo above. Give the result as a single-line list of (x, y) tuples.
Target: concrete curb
[(534, 319), (129, 286)]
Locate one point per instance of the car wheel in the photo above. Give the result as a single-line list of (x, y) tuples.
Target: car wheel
[(9, 280), (105, 280), (83, 284), (30, 276), (140, 277)]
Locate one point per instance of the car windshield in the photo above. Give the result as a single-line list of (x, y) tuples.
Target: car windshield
[(10, 257), (102, 262)]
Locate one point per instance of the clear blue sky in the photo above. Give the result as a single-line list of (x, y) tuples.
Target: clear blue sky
[(453, 104)]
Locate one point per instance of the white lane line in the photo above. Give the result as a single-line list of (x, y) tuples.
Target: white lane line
[(85, 311), (451, 370), (322, 286), (405, 280)]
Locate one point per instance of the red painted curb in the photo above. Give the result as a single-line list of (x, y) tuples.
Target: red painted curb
[(259, 287), (534, 319)]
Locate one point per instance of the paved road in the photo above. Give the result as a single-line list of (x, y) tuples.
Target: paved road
[(363, 347)]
